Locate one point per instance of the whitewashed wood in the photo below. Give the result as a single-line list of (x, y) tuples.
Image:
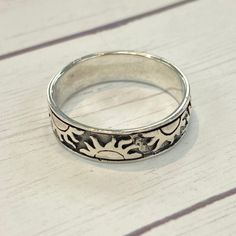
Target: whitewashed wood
[(26, 23), (44, 190), (218, 219)]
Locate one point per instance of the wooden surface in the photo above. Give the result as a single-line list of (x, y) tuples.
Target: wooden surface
[(46, 190)]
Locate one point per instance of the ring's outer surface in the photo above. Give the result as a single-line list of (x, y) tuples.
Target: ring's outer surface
[(120, 145)]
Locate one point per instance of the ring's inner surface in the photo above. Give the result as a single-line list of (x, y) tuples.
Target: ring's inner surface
[(120, 67)]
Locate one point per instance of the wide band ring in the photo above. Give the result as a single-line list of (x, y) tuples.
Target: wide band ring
[(127, 144)]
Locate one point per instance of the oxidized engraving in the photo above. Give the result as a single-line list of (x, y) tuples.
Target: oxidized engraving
[(110, 150), (118, 147), (63, 131)]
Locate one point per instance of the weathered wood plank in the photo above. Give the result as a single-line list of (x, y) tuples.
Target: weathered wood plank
[(44, 190), (199, 208), (217, 219), (27, 23)]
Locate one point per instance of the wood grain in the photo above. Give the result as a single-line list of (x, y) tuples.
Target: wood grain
[(152, 227), (45, 190), (52, 22), (219, 217)]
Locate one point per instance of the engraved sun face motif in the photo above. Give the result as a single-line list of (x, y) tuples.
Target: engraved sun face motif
[(64, 132), (161, 136), (110, 150), (167, 134)]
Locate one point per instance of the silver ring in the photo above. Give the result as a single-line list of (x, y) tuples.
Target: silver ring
[(126, 144)]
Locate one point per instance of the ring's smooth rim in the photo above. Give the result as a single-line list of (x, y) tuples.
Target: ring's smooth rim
[(174, 115)]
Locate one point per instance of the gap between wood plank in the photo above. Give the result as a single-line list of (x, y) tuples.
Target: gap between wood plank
[(94, 30), (183, 212)]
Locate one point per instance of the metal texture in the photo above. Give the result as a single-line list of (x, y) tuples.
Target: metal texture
[(127, 144)]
